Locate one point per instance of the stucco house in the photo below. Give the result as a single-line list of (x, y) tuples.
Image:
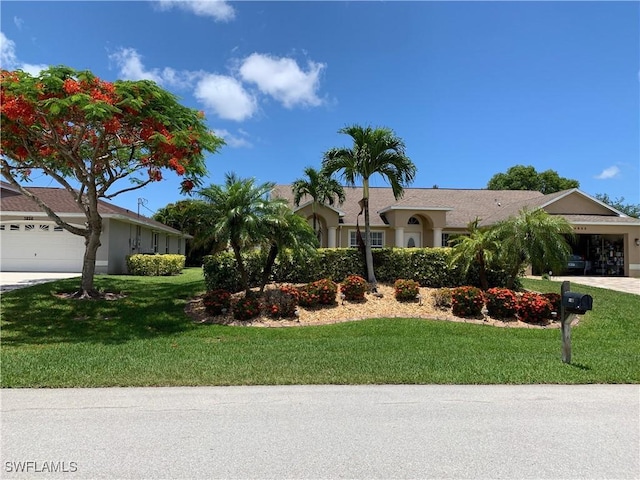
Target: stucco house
[(31, 241), (426, 217)]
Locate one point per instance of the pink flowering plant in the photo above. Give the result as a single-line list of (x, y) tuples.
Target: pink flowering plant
[(406, 290), (534, 308), (501, 303), (467, 301), (354, 287), (320, 292)]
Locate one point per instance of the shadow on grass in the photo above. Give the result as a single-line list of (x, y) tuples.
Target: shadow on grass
[(153, 306)]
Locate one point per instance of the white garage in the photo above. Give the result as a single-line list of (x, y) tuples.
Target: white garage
[(39, 246)]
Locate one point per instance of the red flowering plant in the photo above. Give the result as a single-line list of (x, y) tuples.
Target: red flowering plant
[(501, 302), (91, 136), (247, 307), (320, 292), (534, 308), (281, 302), (555, 299), (406, 290), (353, 288), (467, 301), (216, 301)]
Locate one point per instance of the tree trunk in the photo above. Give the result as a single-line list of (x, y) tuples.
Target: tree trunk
[(482, 273), (371, 277), (92, 243), (271, 258), (244, 278)]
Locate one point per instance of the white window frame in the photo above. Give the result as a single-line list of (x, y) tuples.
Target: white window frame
[(353, 242), (155, 237)]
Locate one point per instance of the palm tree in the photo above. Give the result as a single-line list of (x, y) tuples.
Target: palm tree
[(321, 188), (375, 151), (238, 212), (284, 229), (479, 247), (533, 237)]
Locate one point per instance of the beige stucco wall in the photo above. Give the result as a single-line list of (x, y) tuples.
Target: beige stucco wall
[(576, 204)]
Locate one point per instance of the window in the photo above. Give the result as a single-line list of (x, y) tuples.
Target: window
[(445, 239), (154, 242), (167, 244), (413, 221), (377, 239), (138, 237)]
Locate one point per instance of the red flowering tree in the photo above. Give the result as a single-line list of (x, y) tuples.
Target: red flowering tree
[(97, 139)]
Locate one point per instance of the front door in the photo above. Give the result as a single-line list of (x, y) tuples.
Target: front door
[(412, 240)]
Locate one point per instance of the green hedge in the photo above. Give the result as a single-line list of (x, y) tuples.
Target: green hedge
[(428, 266), (155, 265)]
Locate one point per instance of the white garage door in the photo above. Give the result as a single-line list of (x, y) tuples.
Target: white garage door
[(39, 247)]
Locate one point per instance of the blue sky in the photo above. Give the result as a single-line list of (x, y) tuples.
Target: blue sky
[(473, 88)]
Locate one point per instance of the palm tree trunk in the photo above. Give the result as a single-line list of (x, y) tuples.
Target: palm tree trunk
[(244, 278), (268, 266), (371, 277), (482, 272)]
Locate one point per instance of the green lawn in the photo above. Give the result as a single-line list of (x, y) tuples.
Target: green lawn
[(146, 339)]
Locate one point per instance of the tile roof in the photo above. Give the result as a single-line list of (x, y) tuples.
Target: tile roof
[(62, 203)]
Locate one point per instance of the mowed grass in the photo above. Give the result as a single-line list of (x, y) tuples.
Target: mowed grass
[(147, 340)]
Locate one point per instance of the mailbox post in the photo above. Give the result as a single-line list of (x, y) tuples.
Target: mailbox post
[(572, 303), (565, 324)]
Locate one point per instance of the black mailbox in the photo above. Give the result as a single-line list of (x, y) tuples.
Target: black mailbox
[(575, 302)]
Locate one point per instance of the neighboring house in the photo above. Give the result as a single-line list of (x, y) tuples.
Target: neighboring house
[(426, 217), (31, 241)]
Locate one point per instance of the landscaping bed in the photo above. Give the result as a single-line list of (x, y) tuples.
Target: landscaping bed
[(384, 306)]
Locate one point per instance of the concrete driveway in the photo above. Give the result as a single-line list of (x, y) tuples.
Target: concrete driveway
[(621, 284), (14, 280)]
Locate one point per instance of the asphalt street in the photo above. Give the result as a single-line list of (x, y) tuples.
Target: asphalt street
[(300, 432)]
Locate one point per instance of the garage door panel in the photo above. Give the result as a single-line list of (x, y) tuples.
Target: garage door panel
[(40, 247)]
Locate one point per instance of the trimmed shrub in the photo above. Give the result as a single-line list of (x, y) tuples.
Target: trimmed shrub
[(281, 302), (215, 301), (155, 265), (354, 287), (442, 298), (467, 301), (321, 292), (220, 272), (534, 308), (406, 290), (501, 302), (246, 308)]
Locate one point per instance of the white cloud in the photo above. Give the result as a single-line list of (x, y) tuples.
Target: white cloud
[(607, 173), (235, 141), (283, 79), (18, 22), (33, 70), (131, 67), (226, 97), (8, 59), (220, 10)]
